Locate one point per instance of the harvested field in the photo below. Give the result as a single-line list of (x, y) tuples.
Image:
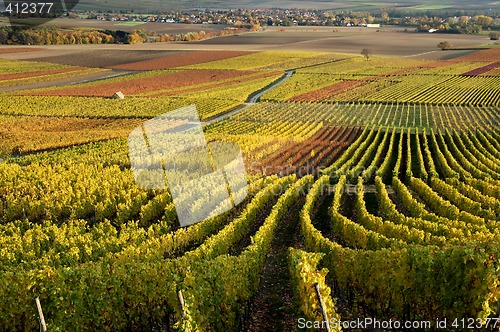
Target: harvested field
[(180, 59), (392, 41), (446, 55), (271, 38), (141, 85), (105, 58)]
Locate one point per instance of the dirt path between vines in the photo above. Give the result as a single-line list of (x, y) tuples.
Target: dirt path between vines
[(272, 308)]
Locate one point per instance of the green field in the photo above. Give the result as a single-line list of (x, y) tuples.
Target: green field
[(433, 7), (129, 24)]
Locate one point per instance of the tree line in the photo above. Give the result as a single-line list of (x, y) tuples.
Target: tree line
[(14, 35)]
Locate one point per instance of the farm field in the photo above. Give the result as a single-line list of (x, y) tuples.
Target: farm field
[(405, 80), (14, 73), (374, 181), (346, 4), (389, 41)]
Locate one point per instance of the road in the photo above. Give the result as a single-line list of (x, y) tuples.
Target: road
[(252, 100)]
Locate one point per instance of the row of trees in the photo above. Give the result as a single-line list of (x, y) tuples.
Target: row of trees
[(19, 36), (462, 24), (53, 36)]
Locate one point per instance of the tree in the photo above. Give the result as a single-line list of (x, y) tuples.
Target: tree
[(4, 36), (483, 21), (286, 22), (385, 18), (494, 35), (444, 45), (366, 52)]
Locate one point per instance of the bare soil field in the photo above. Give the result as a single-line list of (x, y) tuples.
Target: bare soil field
[(440, 55), (265, 38), (383, 41), (102, 58)]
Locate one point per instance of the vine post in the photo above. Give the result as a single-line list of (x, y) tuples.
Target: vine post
[(322, 307)]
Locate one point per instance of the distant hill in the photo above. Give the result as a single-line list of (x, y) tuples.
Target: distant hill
[(155, 5)]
